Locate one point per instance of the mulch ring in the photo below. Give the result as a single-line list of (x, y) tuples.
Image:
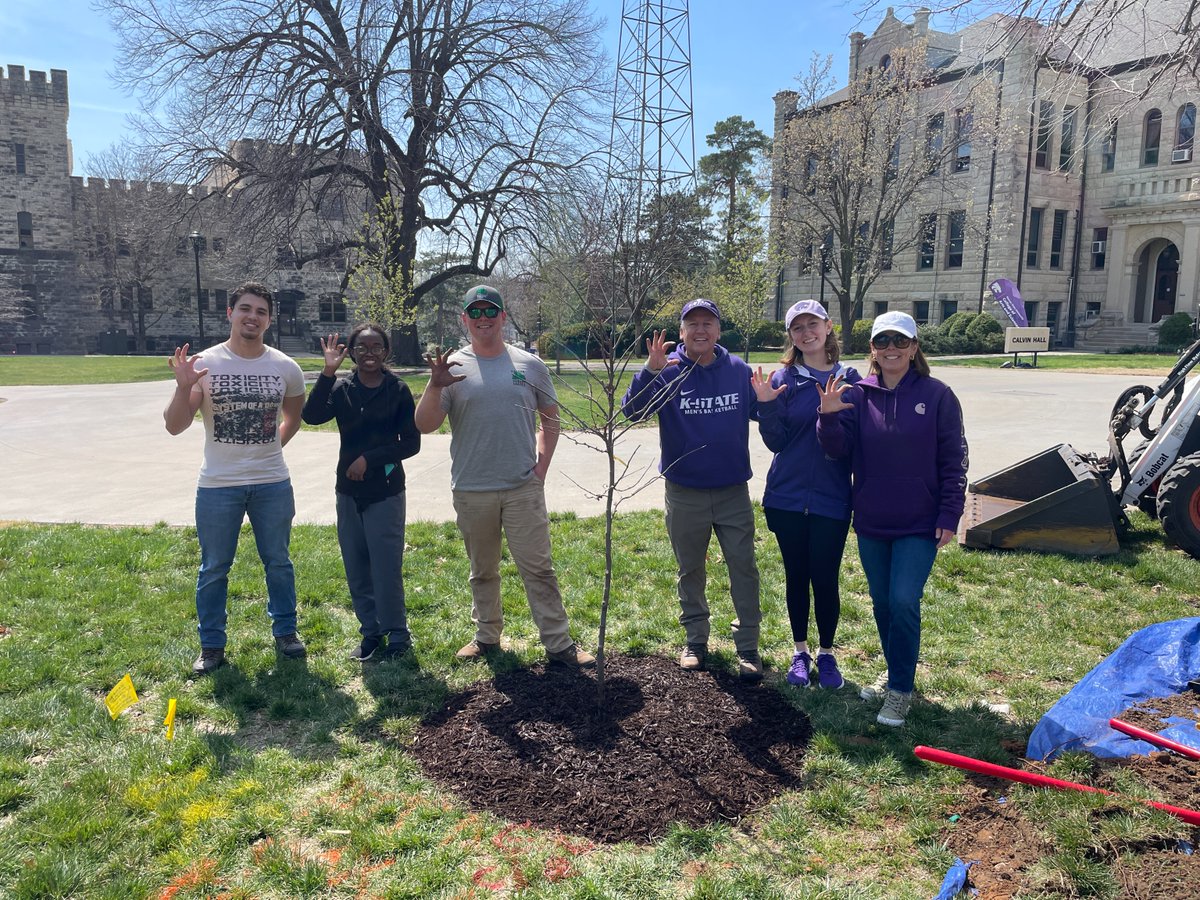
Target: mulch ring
[(532, 745), (995, 834)]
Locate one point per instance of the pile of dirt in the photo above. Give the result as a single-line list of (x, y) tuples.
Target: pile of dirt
[(668, 745)]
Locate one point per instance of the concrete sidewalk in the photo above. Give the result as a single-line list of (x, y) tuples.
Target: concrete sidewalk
[(99, 454)]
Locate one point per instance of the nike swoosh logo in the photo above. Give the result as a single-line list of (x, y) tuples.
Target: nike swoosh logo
[(685, 393)]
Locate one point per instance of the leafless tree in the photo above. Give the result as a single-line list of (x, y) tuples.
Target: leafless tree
[(853, 161), (460, 115)]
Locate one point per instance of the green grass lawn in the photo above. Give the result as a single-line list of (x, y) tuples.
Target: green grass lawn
[(290, 779), (1084, 362)]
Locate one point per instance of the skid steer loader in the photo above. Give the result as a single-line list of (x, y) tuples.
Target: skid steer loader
[(1065, 501)]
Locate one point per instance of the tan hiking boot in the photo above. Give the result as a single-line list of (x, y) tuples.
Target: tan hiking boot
[(750, 668), (476, 649), (573, 657), (693, 657)]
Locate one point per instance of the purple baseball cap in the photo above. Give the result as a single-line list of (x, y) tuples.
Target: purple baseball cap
[(805, 307), (699, 304)]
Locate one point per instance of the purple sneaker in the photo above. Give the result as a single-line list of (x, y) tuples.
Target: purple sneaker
[(798, 673), (828, 675)]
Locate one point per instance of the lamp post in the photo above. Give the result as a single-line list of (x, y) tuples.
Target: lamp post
[(197, 242)]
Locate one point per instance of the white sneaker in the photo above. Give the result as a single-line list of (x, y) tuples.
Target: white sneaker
[(876, 689), (895, 708)]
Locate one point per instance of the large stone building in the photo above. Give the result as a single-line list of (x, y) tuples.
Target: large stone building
[(112, 265), (1094, 189)]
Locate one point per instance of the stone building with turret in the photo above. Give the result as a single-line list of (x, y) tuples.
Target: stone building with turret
[(96, 265), (1094, 195)]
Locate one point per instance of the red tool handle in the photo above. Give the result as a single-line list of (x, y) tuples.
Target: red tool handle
[(946, 758), (1157, 739)]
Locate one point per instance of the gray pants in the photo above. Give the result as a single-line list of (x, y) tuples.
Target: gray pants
[(693, 514), (372, 543)]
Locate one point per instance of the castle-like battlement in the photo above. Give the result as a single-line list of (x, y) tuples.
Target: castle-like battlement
[(36, 87)]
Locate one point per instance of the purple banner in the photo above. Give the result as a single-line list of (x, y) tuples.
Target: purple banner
[(1009, 298)]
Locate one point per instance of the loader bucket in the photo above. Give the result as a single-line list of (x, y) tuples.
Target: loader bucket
[(1053, 502)]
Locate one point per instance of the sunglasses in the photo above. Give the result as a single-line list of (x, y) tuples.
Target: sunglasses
[(476, 311), (883, 341)]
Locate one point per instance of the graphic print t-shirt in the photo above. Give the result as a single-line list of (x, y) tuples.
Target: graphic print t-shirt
[(242, 406)]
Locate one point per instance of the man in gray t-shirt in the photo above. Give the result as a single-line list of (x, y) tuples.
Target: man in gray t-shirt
[(498, 464)]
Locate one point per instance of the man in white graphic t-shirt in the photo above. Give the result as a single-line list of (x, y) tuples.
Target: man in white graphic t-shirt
[(251, 396)]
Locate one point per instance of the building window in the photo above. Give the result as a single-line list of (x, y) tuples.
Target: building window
[(183, 296), (893, 164), (25, 230), (122, 247), (934, 136), (145, 296), (19, 153), (1057, 233), (956, 234), (220, 300), (1108, 150), (886, 240), (28, 306), (810, 175), (181, 246), (1035, 237), (127, 297), (881, 306), (927, 245), (949, 308), (921, 312), (885, 63), (1099, 247), (804, 263), (1151, 136), (202, 300), (1185, 133), (218, 245), (826, 250), (1066, 145), (1041, 156), (106, 298), (332, 309), (1031, 311), (963, 122)]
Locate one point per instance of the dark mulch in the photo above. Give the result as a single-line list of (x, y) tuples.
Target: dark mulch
[(531, 745)]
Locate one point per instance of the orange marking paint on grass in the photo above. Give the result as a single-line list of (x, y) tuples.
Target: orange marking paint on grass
[(201, 872)]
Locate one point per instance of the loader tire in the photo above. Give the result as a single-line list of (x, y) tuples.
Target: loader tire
[(1179, 504)]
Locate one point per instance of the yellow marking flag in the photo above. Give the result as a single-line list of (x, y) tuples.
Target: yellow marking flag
[(169, 721), (121, 697)]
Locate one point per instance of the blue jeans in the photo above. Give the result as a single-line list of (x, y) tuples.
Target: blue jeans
[(219, 513), (896, 574)]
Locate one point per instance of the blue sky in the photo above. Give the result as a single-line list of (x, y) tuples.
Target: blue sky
[(742, 54)]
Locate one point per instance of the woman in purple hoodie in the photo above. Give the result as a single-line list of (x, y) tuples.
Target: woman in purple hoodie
[(903, 433), (807, 500)]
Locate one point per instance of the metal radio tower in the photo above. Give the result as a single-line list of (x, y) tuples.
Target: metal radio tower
[(652, 139)]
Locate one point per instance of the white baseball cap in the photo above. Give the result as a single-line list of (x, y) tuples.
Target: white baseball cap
[(894, 321)]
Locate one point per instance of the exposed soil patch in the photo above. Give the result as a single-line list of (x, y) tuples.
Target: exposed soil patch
[(1005, 846), (669, 746), (1153, 714)]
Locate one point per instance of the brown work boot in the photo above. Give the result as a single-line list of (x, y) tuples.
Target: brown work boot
[(750, 667), (693, 656), (209, 660), (573, 657), (476, 650)]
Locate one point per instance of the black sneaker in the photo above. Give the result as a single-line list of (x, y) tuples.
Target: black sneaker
[(365, 649), (291, 646), (393, 651), (209, 660)]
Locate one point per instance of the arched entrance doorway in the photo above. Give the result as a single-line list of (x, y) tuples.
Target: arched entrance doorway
[(1157, 281)]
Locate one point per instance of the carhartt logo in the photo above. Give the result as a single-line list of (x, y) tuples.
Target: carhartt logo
[(920, 408)]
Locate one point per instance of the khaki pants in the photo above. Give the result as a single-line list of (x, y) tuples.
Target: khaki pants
[(693, 514), (521, 514)]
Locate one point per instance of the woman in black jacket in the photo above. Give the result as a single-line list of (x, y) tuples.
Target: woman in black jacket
[(374, 412)]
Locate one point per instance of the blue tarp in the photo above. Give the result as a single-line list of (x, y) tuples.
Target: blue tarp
[(1157, 661), (955, 880)]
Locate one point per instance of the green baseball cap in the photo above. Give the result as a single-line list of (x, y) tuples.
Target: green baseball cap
[(485, 294)]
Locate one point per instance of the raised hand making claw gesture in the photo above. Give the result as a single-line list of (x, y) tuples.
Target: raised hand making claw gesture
[(439, 368), (184, 367), (657, 350), (762, 386), (333, 352), (831, 395)]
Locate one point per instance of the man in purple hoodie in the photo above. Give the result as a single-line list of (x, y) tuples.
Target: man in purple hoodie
[(704, 403)]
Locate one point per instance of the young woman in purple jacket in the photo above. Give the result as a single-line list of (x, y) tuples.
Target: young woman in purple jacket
[(903, 433), (807, 500)]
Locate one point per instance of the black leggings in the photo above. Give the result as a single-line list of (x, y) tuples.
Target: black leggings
[(812, 554)]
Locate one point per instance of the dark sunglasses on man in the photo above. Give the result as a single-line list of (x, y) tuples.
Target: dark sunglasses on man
[(883, 341), (476, 311)]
